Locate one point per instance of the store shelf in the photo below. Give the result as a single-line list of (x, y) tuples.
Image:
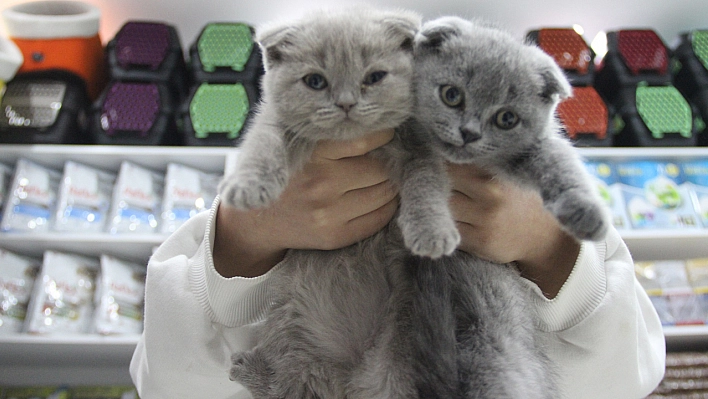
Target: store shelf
[(137, 248), (647, 245), (91, 359), (75, 359)]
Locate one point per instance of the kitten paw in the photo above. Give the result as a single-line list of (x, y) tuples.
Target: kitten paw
[(582, 217), (250, 191), (251, 371), (432, 241)]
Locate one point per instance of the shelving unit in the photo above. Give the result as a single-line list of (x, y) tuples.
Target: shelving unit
[(90, 359)]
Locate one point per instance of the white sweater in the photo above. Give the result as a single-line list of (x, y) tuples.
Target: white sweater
[(603, 332)]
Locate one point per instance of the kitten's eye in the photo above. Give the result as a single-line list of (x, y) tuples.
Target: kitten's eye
[(506, 119), (315, 81), (451, 95), (375, 77)]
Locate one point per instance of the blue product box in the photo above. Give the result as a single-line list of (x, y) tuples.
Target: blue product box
[(606, 180), (696, 175), (656, 195)]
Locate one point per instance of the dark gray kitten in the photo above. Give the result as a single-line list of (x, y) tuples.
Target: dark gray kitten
[(488, 99), (334, 328)]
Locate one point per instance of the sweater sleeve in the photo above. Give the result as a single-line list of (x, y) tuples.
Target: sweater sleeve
[(602, 330), (194, 319)]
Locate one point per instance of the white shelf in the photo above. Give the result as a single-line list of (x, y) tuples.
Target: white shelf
[(78, 359), (647, 245), (92, 359)]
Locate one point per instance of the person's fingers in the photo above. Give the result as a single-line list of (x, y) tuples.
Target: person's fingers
[(368, 224), (365, 200), (336, 149)]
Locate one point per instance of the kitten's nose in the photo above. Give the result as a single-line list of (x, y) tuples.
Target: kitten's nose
[(346, 106), (469, 135), (346, 102)]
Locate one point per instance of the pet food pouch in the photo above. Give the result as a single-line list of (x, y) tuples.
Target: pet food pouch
[(696, 174), (669, 289), (37, 393), (136, 200), (17, 275), (119, 297), (32, 198), (656, 196), (84, 198), (698, 276), (5, 177), (63, 294), (608, 185), (188, 191)]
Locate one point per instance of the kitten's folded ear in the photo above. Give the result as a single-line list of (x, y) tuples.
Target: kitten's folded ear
[(435, 33), (402, 26), (555, 85), (273, 41)]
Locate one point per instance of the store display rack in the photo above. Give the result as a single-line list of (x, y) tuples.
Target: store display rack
[(91, 359)]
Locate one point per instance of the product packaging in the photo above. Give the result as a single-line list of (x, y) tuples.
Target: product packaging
[(670, 291), (32, 198), (62, 301), (698, 276), (696, 174), (608, 185), (45, 392), (5, 178), (103, 392), (84, 198), (136, 200), (17, 275), (188, 191), (120, 291), (656, 196)]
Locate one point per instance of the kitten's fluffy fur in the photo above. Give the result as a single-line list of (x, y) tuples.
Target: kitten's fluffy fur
[(363, 59), (371, 321), (488, 99), (333, 329)]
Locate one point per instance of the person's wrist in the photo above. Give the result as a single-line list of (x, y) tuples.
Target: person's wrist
[(239, 248), (550, 265)]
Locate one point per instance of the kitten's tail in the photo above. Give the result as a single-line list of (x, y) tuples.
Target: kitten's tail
[(434, 339)]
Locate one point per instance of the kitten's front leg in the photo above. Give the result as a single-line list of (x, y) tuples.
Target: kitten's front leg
[(261, 172), (424, 218), (567, 191), (251, 370)]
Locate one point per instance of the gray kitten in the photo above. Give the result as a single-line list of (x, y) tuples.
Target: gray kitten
[(334, 328), (487, 99), (339, 76)]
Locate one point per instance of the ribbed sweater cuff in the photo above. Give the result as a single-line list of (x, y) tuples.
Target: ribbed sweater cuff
[(232, 302), (580, 295)]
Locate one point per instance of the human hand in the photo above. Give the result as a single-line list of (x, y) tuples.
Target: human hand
[(504, 223), (340, 196)]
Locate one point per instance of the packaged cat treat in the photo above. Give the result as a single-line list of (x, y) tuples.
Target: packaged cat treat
[(62, 301), (84, 198), (120, 291), (17, 275), (696, 174), (670, 291), (32, 198), (608, 185), (103, 392), (656, 196), (698, 276), (188, 191), (5, 177), (36, 393), (137, 196)]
